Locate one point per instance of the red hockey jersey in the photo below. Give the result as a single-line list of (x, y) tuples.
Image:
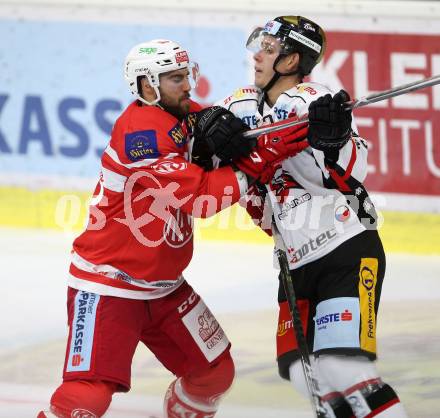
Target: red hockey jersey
[(139, 236)]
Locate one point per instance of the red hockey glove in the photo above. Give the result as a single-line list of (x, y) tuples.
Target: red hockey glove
[(271, 150), (256, 203)]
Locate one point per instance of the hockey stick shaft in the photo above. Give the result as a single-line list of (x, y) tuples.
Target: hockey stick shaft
[(396, 91), (286, 279), (354, 104)]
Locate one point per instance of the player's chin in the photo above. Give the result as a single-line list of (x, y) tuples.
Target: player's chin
[(259, 80), (185, 105)]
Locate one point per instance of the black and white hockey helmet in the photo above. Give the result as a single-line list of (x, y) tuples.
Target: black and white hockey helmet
[(295, 34)]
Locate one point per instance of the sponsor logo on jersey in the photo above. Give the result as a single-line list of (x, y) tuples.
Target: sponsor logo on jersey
[(141, 145), (310, 247), (181, 56), (334, 317), (250, 121), (367, 298), (342, 213), (190, 121), (302, 88), (280, 113), (177, 135), (239, 94), (293, 204), (228, 100)]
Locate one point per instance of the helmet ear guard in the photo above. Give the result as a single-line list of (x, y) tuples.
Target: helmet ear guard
[(150, 60)]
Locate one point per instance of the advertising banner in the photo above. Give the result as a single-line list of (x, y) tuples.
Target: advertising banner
[(62, 87), (403, 132)]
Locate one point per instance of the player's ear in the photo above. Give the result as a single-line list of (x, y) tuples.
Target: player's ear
[(292, 61), (147, 92), (145, 85)]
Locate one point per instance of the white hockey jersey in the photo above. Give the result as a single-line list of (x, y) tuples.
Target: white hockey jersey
[(316, 206)]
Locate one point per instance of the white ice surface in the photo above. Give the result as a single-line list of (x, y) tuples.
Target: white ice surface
[(230, 277)]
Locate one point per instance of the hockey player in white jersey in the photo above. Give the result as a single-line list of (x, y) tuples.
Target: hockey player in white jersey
[(324, 214)]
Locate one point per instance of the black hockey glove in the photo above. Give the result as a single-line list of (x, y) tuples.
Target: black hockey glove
[(329, 122), (218, 132)]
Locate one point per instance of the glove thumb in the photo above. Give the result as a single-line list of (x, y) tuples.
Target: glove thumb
[(341, 97)]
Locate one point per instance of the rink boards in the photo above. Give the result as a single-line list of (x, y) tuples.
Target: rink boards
[(65, 210)]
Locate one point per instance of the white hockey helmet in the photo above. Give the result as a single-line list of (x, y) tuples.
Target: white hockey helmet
[(150, 59)]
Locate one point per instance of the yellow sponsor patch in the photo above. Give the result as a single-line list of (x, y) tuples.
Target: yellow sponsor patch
[(177, 135), (367, 298)]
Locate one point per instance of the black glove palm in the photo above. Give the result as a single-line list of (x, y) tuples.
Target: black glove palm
[(218, 132), (329, 122)]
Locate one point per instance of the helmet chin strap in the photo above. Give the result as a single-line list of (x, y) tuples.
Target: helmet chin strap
[(277, 74), (156, 91)]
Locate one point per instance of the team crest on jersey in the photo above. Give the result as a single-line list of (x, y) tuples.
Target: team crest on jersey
[(178, 135), (141, 145), (169, 166), (179, 229)]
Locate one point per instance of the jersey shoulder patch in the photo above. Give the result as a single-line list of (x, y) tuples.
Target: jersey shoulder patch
[(148, 132), (140, 145)]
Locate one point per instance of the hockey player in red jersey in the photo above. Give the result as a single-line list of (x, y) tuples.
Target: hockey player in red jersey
[(326, 219), (125, 280)]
